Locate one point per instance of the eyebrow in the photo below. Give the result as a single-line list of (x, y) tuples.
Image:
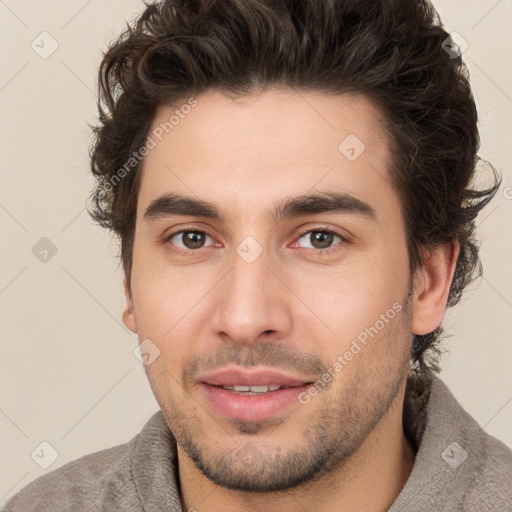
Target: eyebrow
[(299, 206)]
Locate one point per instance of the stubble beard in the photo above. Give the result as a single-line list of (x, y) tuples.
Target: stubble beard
[(333, 434)]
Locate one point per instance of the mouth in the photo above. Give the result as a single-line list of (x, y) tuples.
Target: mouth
[(254, 395), (256, 379), (255, 390)]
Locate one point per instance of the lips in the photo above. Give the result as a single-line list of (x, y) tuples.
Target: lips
[(254, 395), (258, 377)]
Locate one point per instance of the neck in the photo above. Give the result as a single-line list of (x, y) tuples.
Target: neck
[(368, 481)]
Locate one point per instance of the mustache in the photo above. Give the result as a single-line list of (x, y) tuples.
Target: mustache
[(269, 354)]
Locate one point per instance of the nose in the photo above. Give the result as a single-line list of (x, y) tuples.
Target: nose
[(252, 300)]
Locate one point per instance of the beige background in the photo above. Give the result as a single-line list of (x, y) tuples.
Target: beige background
[(69, 376)]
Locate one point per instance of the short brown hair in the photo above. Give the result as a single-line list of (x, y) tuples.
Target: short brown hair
[(392, 51)]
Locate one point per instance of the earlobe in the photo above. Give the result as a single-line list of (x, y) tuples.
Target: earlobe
[(432, 287), (128, 313)]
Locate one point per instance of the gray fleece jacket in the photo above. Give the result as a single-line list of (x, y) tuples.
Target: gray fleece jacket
[(458, 467)]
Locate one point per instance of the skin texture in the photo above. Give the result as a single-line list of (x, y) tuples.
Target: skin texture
[(296, 308)]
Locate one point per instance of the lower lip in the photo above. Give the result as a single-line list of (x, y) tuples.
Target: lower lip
[(251, 407)]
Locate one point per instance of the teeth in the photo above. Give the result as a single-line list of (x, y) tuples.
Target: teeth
[(253, 389), (242, 388), (258, 389)]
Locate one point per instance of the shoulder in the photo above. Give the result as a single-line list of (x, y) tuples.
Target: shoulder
[(458, 466), (484, 470), (490, 487), (81, 484)]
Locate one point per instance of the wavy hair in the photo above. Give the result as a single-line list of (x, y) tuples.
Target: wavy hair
[(392, 51)]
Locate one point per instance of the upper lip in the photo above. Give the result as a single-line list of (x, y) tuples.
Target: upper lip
[(256, 377)]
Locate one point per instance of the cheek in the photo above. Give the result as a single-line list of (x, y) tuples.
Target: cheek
[(351, 297), (170, 303), (155, 303)]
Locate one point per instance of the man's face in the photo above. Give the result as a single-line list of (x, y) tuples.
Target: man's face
[(264, 299)]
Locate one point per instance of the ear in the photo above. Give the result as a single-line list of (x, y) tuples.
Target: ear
[(431, 287), (128, 314)]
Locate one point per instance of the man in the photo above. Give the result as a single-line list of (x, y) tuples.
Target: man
[(290, 184)]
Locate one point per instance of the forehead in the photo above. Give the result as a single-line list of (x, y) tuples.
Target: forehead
[(247, 153)]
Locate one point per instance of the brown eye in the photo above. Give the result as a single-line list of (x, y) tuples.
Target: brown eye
[(320, 239), (189, 239)]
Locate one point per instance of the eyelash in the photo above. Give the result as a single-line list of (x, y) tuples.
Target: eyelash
[(319, 229)]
